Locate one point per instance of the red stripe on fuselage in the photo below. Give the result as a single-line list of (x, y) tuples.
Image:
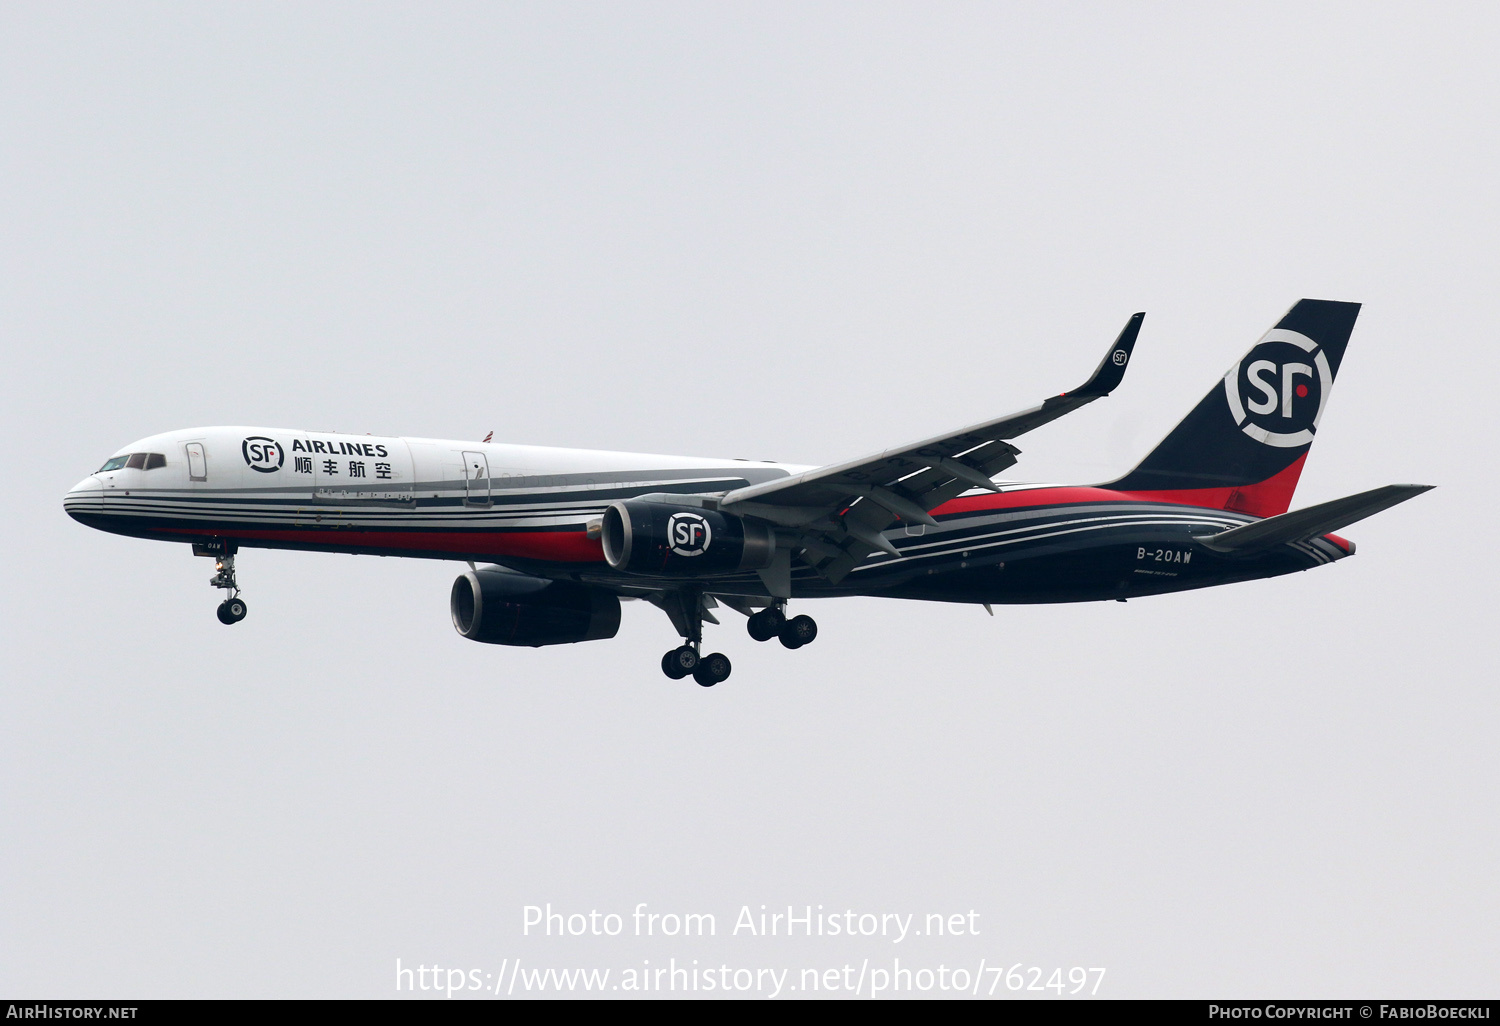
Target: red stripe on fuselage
[(1263, 499), (1266, 498), (1023, 497), (555, 546)]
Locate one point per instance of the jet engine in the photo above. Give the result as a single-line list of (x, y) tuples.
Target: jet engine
[(667, 540), (502, 607)]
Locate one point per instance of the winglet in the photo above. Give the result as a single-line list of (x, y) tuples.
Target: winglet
[(1111, 370)]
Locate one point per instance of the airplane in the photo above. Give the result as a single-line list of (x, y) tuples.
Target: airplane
[(567, 533)]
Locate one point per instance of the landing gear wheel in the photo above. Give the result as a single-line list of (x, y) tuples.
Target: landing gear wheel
[(712, 669), (798, 631), (679, 662), (232, 611), (766, 624)]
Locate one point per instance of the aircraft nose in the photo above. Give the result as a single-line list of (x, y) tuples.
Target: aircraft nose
[(87, 496)]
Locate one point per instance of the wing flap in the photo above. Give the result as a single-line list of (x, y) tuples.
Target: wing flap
[(842, 509), (979, 447)]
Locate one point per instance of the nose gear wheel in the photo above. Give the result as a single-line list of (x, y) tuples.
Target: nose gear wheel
[(233, 609)]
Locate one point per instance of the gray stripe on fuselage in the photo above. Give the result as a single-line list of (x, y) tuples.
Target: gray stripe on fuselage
[(1033, 532)]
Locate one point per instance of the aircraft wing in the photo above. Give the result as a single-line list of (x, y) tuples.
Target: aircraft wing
[(842, 509)]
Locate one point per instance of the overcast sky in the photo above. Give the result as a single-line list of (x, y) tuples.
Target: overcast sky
[(775, 231)]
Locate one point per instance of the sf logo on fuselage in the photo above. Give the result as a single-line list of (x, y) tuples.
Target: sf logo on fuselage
[(262, 454), (688, 534), (1276, 393)]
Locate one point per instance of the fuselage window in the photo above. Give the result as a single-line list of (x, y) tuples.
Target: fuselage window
[(154, 460), (114, 463)]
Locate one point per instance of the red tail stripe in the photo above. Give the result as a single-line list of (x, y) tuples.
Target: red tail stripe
[(1267, 498), (1263, 499)]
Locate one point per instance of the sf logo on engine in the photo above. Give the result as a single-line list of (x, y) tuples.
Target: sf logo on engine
[(1277, 392), (688, 534), (262, 454)]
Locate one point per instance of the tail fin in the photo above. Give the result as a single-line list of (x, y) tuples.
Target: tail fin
[(1242, 447)]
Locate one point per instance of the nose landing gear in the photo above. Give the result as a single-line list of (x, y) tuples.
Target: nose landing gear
[(233, 609)]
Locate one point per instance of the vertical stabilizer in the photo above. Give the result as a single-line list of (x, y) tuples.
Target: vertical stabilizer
[(1242, 447)]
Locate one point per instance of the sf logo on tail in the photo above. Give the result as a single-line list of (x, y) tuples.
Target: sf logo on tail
[(688, 534), (1276, 393)]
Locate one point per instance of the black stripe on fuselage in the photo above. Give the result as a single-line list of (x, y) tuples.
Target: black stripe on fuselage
[(961, 545)]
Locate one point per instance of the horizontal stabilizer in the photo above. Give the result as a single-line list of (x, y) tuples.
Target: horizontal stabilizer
[(1302, 524)]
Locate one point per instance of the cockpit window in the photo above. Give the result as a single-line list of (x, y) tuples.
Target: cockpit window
[(134, 461)]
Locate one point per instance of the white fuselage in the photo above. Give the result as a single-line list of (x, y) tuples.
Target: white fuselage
[(416, 496)]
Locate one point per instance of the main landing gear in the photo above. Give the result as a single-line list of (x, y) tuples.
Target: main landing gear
[(706, 670), (772, 622), (233, 609), (688, 609)]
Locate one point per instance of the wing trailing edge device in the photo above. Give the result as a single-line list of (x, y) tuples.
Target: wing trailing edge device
[(839, 512)]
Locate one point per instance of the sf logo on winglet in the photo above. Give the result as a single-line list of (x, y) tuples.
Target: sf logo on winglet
[(688, 534), (1277, 392), (262, 454), (1119, 357)]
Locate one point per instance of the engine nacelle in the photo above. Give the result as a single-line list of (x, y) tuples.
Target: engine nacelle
[(501, 607), (662, 539)]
